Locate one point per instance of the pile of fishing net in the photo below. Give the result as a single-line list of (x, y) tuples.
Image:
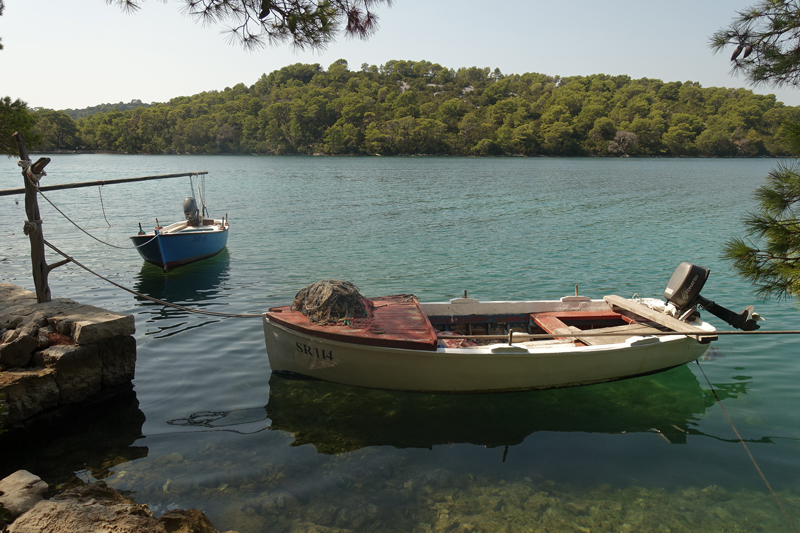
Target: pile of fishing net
[(333, 302)]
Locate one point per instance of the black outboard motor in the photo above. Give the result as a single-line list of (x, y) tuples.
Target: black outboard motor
[(683, 290), (191, 212)]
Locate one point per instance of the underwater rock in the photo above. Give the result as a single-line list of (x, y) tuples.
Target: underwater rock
[(97, 507)]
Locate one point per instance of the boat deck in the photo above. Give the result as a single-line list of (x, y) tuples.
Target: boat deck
[(398, 322)]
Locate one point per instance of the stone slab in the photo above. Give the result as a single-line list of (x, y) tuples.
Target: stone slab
[(20, 491), (79, 370), (28, 393), (87, 324)]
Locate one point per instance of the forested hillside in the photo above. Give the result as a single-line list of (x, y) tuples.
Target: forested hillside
[(75, 114), (407, 107)]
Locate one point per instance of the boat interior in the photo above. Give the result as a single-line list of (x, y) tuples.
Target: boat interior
[(208, 225), (402, 322), (569, 323)]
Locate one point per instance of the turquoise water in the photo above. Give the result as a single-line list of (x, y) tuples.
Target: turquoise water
[(208, 427)]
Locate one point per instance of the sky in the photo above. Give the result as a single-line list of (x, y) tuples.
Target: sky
[(73, 54)]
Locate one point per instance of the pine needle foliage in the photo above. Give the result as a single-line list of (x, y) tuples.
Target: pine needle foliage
[(305, 24), (770, 259), (765, 42)]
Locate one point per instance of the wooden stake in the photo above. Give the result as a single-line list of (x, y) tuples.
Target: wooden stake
[(33, 226)]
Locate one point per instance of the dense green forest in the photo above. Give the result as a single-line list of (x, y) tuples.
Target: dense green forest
[(408, 107), (75, 114)]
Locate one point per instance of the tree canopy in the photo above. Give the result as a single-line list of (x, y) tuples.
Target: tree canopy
[(419, 107), (15, 116), (303, 23)]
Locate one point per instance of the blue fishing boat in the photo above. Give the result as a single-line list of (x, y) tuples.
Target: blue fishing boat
[(185, 241)]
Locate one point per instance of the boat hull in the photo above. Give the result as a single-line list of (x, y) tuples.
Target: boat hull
[(171, 250), (492, 368)]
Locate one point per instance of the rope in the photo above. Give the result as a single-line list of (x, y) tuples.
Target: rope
[(758, 469), (594, 333), (150, 298), (100, 190), (80, 228)]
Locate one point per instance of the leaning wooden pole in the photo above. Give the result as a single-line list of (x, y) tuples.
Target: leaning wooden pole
[(31, 173)]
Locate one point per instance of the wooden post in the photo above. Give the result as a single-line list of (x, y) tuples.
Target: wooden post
[(33, 226)]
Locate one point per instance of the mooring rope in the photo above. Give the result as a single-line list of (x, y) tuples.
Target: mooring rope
[(150, 298), (100, 190), (89, 234), (80, 228), (758, 469)]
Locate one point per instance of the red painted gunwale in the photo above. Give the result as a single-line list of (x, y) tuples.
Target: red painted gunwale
[(400, 317)]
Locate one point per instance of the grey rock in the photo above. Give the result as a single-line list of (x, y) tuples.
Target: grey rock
[(28, 393), (9, 335), (79, 370), (30, 329), (20, 491), (17, 353), (44, 342), (118, 356), (97, 507), (10, 321)]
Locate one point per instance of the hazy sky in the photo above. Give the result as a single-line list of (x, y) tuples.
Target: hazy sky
[(73, 54)]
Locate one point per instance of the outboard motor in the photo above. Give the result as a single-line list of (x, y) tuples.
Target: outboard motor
[(191, 212), (683, 290)]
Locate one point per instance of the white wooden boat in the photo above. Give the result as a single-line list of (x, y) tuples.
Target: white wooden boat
[(515, 345)]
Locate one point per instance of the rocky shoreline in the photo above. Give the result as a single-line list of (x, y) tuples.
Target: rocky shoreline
[(93, 507), (58, 355)]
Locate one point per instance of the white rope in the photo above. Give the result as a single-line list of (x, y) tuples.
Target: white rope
[(77, 226), (150, 298)]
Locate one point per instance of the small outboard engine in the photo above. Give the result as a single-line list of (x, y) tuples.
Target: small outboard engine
[(683, 290), (191, 212)]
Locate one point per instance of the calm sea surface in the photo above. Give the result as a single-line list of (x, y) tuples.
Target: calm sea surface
[(208, 427)]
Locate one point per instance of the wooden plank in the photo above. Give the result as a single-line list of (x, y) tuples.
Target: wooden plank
[(548, 323), (625, 332), (8, 192), (660, 318)]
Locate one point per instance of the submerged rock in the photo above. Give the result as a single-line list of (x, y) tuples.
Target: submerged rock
[(97, 507)]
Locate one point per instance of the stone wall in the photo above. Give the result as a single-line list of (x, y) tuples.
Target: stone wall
[(57, 354)]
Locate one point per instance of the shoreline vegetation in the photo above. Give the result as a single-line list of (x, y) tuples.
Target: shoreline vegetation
[(425, 109)]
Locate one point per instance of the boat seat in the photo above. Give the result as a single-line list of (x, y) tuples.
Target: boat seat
[(552, 323)]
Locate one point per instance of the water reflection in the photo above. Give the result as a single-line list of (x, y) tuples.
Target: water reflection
[(196, 285), (90, 443), (337, 419)]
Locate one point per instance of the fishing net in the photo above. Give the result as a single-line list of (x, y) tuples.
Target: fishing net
[(333, 302)]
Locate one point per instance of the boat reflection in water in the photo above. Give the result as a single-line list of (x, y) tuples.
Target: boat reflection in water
[(195, 285), (337, 419)]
